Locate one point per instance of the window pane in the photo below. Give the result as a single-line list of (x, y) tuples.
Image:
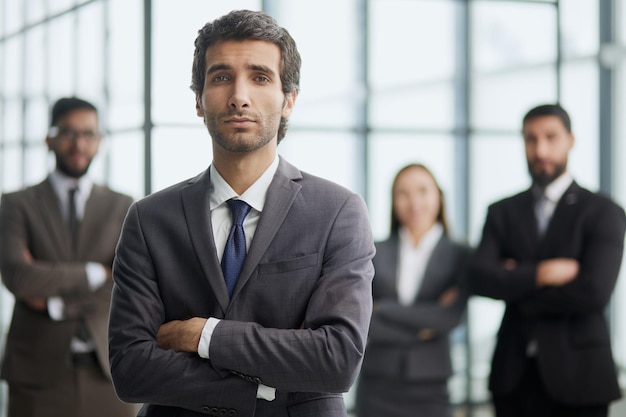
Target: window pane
[(329, 81), (328, 155), (90, 42), (411, 76), (11, 169), (580, 99), (389, 153), (580, 29), (13, 121), (36, 160), (13, 16), (36, 120), (35, 66), (61, 67), (13, 71), (35, 11), (498, 169), (501, 35), (499, 101), (178, 154), (125, 70), (58, 6), (126, 163), (173, 53)]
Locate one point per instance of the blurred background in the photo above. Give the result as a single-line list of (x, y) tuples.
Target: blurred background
[(384, 83)]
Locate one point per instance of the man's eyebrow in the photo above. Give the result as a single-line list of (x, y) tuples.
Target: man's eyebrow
[(262, 68), (217, 67)]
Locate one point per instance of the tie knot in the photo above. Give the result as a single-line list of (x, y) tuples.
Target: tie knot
[(239, 209)]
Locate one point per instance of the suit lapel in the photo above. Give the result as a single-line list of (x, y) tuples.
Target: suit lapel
[(564, 213), (280, 196), (197, 210), (50, 211), (523, 212), (94, 206)]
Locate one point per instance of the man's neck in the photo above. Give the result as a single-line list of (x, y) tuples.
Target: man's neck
[(241, 170)]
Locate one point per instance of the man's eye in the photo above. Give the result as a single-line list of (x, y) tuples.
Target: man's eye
[(220, 78), (262, 79)]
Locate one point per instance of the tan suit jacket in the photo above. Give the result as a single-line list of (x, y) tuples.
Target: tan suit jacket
[(38, 348)]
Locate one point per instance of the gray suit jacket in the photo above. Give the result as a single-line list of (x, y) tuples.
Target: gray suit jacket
[(297, 320), (38, 348), (394, 349)]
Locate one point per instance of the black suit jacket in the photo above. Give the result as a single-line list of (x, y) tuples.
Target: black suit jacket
[(568, 323)]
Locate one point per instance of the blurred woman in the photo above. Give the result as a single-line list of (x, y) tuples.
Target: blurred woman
[(419, 298)]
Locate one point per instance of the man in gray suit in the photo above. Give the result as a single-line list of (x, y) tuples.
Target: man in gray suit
[(286, 335), (57, 241)]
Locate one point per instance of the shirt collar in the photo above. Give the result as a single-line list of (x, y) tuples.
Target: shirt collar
[(555, 190), (221, 191), (62, 183), (429, 240)]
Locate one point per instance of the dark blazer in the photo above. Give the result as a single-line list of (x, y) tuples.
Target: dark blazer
[(37, 347), (297, 320), (394, 349), (568, 322)]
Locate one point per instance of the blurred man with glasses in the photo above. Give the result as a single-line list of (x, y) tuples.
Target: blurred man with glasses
[(57, 242)]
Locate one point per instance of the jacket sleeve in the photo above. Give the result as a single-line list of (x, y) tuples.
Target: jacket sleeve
[(600, 263), (36, 278), (405, 322), (488, 275)]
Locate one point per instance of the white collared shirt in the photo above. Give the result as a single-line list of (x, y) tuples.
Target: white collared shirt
[(413, 260), (96, 274), (554, 191), (220, 192)]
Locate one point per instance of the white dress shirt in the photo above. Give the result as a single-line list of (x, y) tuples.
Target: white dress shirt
[(96, 273), (221, 220), (553, 193), (413, 260)]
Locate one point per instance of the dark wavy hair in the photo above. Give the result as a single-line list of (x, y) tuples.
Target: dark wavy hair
[(240, 25), (441, 215)]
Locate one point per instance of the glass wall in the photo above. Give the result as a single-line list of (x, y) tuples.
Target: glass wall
[(384, 83)]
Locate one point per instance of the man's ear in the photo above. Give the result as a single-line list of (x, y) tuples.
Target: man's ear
[(290, 101), (199, 110)]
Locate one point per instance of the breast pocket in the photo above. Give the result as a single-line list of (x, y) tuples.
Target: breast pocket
[(289, 282)]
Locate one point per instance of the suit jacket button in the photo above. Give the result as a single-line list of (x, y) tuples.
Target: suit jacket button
[(232, 413), (205, 409), (256, 380)]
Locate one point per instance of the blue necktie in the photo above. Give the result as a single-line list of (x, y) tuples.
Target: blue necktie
[(235, 249)]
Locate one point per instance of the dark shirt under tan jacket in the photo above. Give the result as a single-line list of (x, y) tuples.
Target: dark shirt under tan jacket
[(43, 364)]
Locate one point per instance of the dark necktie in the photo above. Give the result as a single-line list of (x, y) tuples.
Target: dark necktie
[(235, 249), (73, 218), (83, 332)]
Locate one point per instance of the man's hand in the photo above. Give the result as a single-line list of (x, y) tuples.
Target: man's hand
[(181, 335), (557, 272), (37, 304), (448, 297)]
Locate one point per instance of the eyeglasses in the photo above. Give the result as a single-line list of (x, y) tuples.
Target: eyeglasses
[(72, 135)]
